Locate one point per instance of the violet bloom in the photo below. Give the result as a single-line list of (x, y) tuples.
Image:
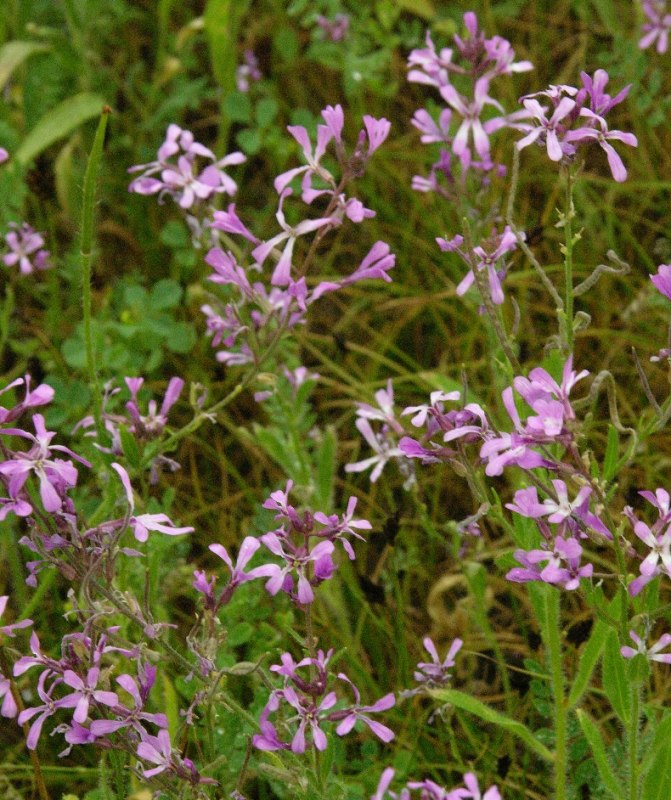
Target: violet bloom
[(152, 423), (657, 26), (486, 255), (436, 673), (548, 130), (8, 630), (385, 450), (296, 560), (248, 547), (157, 750), (562, 569), (141, 524), (247, 72), (359, 712), (324, 135), (470, 112), (180, 178), (662, 280), (282, 272), (56, 476), (132, 717), (40, 396), (27, 249), (338, 529), (9, 709), (48, 708), (4, 155), (334, 29), (652, 653), (601, 134), (86, 691)]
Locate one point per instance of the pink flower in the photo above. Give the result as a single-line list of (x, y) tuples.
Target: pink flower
[(141, 524), (662, 280), (652, 653), (27, 249)]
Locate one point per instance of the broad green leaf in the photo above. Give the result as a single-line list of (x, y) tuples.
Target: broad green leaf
[(15, 53), (488, 714), (615, 681), (595, 739), (420, 8), (58, 122), (222, 20)]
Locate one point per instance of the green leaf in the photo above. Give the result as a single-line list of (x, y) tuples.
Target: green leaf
[(615, 681), (420, 8), (129, 447), (326, 468), (266, 111), (657, 783), (588, 660), (57, 123), (595, 739), (164, 294), (222, 20), (238, 106), (13, 54), (488, 714), (610, 456)]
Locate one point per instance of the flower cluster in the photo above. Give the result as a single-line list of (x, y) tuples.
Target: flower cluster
[(429, 790), (251, 305), (384, 442), (488, 256), (474, 60), (656, 537), (247, 72), (26, 248), (179, 172), (307, 700), (143, 427), (576, 117)]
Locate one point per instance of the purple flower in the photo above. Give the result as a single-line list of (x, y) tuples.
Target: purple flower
[(247, 72), (157, 750), (662, 280), (180, 179), (48, 708), (153, 423), (383, 446), (652, 653), (437, 672), (334, 29), (296, 560), (657, 27), (27, 249), (549, 129), (55, 475), (470, 113), (282, 272), (562, 568), (359, 712), (40, 396), (130, 717), (85, 692), (8, 630), (141, 524)]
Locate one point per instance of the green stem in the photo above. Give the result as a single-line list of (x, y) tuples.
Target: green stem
[(568, 261), (88, 207), (553, 643), (634, 773)]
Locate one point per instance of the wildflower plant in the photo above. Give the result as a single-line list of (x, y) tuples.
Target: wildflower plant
[(359, 537)]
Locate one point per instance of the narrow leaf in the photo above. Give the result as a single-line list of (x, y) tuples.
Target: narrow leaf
[(615, 681), (595, 739), (58, 122), (488, 714), (13, 54), (657, 783)]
